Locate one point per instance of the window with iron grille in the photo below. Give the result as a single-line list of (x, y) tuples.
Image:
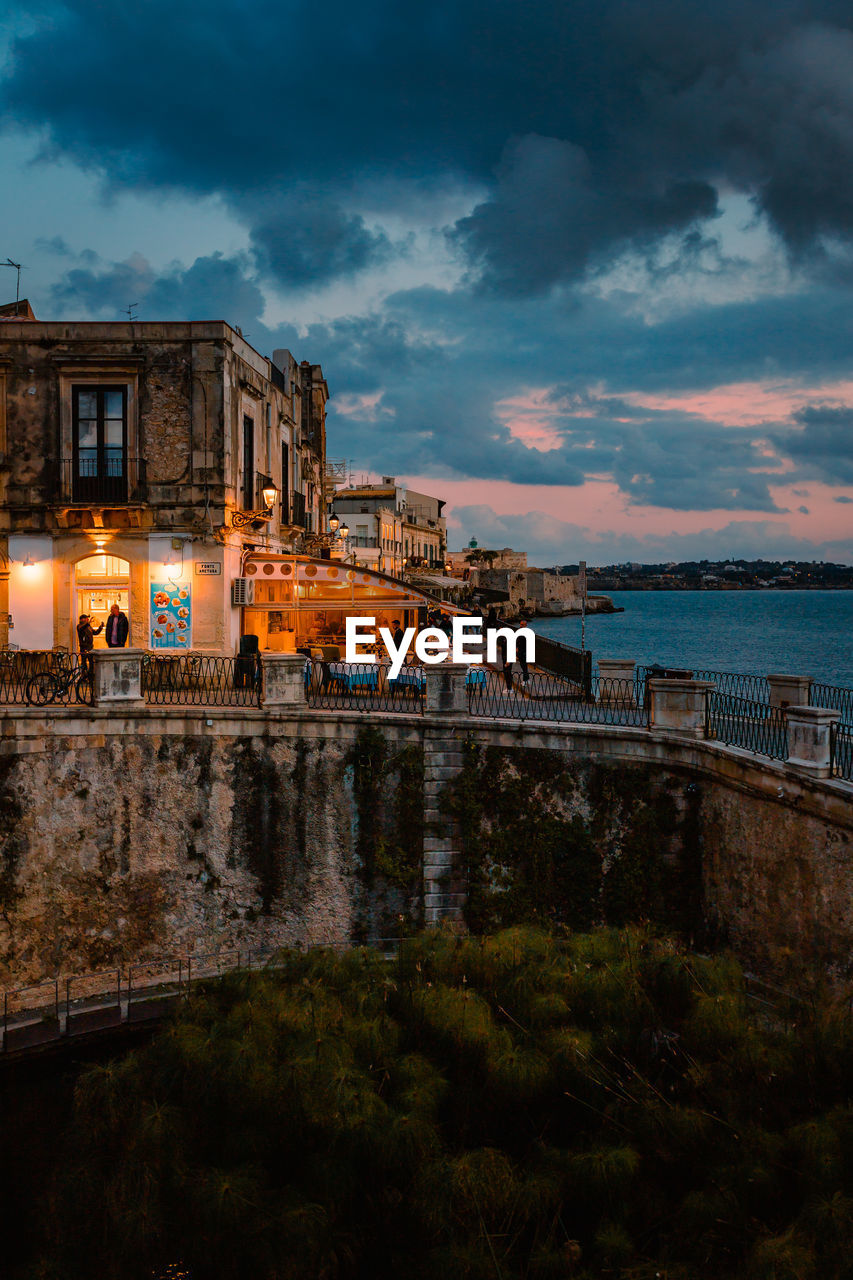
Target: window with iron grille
[(99, 444)]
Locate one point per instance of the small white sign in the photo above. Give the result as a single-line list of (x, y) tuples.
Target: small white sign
[(212, 569)]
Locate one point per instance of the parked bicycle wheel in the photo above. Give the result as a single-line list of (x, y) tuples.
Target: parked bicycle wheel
[(42, 688), (84, 690)]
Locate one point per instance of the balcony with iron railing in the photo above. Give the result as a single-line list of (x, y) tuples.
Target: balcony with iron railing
[(107, 481)]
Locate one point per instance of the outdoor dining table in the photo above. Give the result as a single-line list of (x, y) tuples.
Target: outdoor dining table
[(353, 675)]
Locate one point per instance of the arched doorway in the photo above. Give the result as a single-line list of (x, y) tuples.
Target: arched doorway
[(100, 581)]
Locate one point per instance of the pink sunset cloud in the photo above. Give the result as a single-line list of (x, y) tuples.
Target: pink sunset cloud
[(746, 404)]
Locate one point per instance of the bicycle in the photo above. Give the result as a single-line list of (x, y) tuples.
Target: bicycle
[(56, 685)]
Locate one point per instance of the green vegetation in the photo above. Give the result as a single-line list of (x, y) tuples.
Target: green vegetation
[(516, 1107)]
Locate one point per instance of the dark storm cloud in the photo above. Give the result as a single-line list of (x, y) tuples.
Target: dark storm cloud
[(549, 217), (593, 126), (823, 445), (306, 241)]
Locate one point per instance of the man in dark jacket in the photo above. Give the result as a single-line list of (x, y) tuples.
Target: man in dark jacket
[(117, 628)]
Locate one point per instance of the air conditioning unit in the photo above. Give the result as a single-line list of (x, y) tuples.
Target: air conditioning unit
[(242, 591)]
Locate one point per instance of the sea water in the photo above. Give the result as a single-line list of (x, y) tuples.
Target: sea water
[(806, 633)]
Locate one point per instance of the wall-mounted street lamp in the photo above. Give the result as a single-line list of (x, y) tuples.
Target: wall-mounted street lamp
[(337, 533), (242, 519)]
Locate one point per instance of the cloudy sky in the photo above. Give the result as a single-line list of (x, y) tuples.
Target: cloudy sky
[(584, 268)]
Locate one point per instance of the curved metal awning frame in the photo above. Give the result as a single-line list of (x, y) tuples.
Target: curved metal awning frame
[(397, 594)]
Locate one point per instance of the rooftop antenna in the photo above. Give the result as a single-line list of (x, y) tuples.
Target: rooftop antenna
[(128, 311), (17, 266)]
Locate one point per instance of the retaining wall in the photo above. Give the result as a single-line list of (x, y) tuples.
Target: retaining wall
[(156, 831)]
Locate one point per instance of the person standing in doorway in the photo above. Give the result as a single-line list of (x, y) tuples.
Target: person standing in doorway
[(117, 628), (86, 642)]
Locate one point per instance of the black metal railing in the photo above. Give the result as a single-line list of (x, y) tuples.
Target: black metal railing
[(112, 480), (542, 696), (189, 679), (747, 723), (363, 686), (36, 677), (737, 684), (562, 660), (841, 752), (835, 697)]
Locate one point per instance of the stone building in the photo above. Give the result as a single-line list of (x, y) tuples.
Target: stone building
[(505, 579), (393, 528), (137, 465)]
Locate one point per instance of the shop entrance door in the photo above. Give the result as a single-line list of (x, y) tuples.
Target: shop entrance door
[(101, 582)]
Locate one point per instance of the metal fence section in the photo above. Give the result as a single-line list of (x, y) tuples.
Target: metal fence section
[(562, 660), (189, 679), (747, 723), (55, 1009), (835, 697), (363, 686), (734, 683), (35, 677), (841, 752), (547, 697)]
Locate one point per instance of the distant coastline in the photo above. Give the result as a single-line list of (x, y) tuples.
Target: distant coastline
[(728, 586)]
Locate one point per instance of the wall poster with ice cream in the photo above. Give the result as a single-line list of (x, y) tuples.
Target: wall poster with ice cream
[(171, 615)]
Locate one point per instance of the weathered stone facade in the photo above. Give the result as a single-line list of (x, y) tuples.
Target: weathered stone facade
[(184, 468)]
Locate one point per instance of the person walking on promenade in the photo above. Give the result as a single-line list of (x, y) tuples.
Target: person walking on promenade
[(117, 628), (505, 664), (521, 650), (86, 641)]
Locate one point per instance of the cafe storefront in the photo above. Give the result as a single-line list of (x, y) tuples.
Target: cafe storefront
[(295, 603)]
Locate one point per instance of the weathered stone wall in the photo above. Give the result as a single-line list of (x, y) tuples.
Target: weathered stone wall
[(166, 418), (149, 833), (119, 846)]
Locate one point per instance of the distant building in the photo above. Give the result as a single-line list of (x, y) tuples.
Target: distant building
[(134, 460), (504, 577), (393, 528)]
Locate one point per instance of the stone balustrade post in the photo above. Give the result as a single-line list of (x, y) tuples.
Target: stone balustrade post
[(283, 680), (809, 738), (789, 691), (678, 706), (118, 678), (616, 682), (446, 693)]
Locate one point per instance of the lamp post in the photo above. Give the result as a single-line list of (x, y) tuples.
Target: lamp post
[(242, 519), (336, 533)]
